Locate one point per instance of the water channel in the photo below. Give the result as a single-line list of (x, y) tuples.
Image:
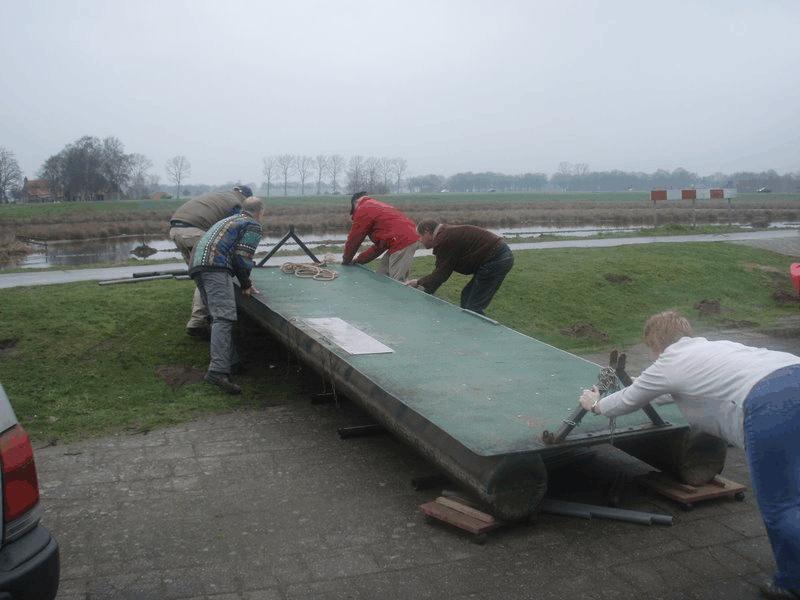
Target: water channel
[(119, 249)]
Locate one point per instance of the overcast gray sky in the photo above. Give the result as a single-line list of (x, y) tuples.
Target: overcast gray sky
[(451, 86)]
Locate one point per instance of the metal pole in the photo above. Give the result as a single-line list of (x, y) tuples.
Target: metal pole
[(655, 215)]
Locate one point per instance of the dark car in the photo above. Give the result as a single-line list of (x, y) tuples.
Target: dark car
[(29, 560)]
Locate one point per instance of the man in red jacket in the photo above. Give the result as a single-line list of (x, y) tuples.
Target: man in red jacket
[(389, 230)]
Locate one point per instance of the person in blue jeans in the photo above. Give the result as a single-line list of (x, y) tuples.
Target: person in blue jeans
[(749, 397)]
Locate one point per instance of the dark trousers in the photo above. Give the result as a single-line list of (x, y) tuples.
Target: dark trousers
[(480, 290), (772, 438)]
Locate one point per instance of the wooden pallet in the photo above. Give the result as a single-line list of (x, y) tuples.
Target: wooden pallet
[(458, 513), (687, 495)]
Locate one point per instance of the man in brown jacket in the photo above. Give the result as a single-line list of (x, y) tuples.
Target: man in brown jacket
[(187, 226), (468, 250)]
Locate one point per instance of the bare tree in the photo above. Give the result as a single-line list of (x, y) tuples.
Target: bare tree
[(565, 168), (321, 164), (115, 165), (371, 169), (153, 181), (304, 166), (178, 169), (399, 166), (52, 171), (286, 164), (580, 169), (385, 168), (140, 178), (355, 174), (78, 171), (270, 168), (336, 164), (10, 174)]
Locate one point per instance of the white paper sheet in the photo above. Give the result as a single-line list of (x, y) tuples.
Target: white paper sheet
[(349, 338)]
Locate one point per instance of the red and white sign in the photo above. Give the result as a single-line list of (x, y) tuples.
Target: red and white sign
[(693, 194)]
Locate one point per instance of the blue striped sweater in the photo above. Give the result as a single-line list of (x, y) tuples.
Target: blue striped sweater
[(229, 245)]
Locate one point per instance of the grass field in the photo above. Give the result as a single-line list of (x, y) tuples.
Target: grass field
[(50, 211), (81, 359), (56, 210)]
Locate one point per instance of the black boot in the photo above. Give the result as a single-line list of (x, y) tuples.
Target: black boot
[(774, 592), (222, 381)]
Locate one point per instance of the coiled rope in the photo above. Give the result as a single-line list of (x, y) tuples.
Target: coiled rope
[(309, 271)]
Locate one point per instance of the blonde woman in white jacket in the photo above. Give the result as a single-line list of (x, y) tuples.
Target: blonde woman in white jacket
[(750, 397)]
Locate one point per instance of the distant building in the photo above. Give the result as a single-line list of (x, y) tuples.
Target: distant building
[(36, 190), (160, 196)]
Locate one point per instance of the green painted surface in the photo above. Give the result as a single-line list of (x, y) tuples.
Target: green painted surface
[(493, 389)]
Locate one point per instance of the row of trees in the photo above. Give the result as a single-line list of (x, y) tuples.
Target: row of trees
[(378, 175), (579, 178), (91, 168), (95, 169), (572, 178)]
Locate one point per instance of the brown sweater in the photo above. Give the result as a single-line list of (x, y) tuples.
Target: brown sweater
[(209, 208), (459, 248)]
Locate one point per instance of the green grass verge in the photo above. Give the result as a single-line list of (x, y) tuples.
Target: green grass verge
[(80, 359), (54, 210), (551, 290)]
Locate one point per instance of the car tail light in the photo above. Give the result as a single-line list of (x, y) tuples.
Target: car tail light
[(20, 484)]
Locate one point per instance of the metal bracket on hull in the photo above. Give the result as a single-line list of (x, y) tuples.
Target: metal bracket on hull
[(289, 235), (617, 363)]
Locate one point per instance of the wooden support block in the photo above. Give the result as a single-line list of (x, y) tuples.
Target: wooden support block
[(458, 513), (456, 518), (687, 495), (467, 510)]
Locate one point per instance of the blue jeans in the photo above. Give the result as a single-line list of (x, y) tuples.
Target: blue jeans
[(480, 290), (772, 438)]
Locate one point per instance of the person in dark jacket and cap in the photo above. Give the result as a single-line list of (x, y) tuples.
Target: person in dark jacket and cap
[(187, 226)]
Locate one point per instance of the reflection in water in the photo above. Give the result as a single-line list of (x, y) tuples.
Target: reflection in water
[(86, 252), (116, 250)]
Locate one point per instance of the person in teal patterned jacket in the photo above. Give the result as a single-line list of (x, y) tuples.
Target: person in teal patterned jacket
[(226, 251)]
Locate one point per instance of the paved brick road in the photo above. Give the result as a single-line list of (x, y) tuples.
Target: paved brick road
[(270, 504)]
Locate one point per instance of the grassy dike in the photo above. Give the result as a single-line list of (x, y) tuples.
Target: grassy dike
[(81, 359), (552, 290)]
